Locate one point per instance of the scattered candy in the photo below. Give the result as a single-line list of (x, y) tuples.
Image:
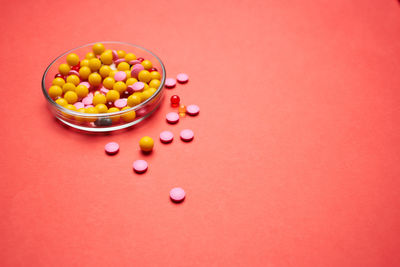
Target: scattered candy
[(146, 144), (175, 101), (177, 194), (120, 76), (172, 117), (111, 148), (137, 86), (120, 103), (192, 110), (182, 78), (166, 137), (187, 135), (140, 166), (170, 82)]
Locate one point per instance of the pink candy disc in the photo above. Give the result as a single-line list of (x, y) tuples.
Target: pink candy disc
[(79, 105), (120, 103), (115, 55), (177, 194), (170, 82), (137, 86), (166, 137), (182, 77), (120, 76), (89, 106), (119, 61), (172, 117), (136, 69), (88, 100), (187, 135), (133, 62), (104, 90), (140, 166), (85, 84), (73, 72), (192, 110), (111, 148)]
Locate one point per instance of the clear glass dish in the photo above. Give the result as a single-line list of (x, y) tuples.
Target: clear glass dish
[(90, 122)]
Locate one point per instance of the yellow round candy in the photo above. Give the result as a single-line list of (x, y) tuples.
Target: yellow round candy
[(70, 107), (146, 144), (99, 99), (155, 75), (107, 57), (134, 100), (129, 115), (81, 90), (73, 79), (59, 81), (120, 87), (62, 102), (146, 86), (68, 87), (123, 66), (104, 71), (112, 95), (130, 81), (147, 64), (72, 59), (71, 97), (129, 57), (138, 94), (114, 118), (95, 79), (98, 48), (64, 69), (55, 91), (128, 74), (146, 94), (85, 62), (80, 118), (155, 83), (144, 76), (90, 55), (101, 108), (84, 72), (121, 53), (112, 73), (91, 110), (94, 64), (108, 82)]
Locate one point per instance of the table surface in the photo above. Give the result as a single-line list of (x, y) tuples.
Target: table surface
[(295, 160)]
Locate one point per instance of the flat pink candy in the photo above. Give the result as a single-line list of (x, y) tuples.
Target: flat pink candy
[(73, 72), (89, 106), (177, 194), (120, 103), (137, 86), (104, 90), (172, 117), (120, 76), (88, 100), (182, 77), (166, 137), (133, 62), (85, 84), (119, 61), (192, 110), (187, 135), (140, 166), (170, 82), (111, 148), (136, 69), (115, 55), (79, 105)]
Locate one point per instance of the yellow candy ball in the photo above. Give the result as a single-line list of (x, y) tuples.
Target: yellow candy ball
[(107, 57), (72, 59), (112, 95), (90, 110), (62, 102), (155, 83), (71, 97), (123, 66), (99, 99), (101, 108), (73, 79), (105, 71), (98, 48), (94, 64), (144, 76), (147, 64), (81, 90), (108, 82), (70, 107), (85, 62), (59, 81), (120, 87), (129, 57), (146, 86), (146, 144), (130, 81), (90, 55), (129, 115), (112, 73), (55, 91), (95, 79), (114, 118), (155, 75), (84, 72), (68, 87), (80, 118), (121, 53), (64, 69), (134, 100), (128, 74), (146, 94)]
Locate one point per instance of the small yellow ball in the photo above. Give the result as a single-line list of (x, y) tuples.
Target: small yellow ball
[(155, 83), (55, 91), (71, 97), (134, 100), (64, 69), (94, 64), (123, 66), (81, 90), (95, 79), (85, 62), (98, 48), (107, 57), (108, 82), (128, 74), (121, 53), (130, 81), (112, 73), (99, 99), (146, 94), (62, 102), (112, 95), (70, 107), (72, 59), (129, 57), (80, 118), (120, 87), (114, 118), (90, 55), (146, 144), (84, 72), (90, 110), (101, 108), (139, 94), (129, 115), (155, 75), (68, 87), (59, 81), (104, 71), (73, 79), (144, 76), (147, 64)]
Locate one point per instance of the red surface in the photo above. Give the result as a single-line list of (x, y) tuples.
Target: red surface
[(295, 160)]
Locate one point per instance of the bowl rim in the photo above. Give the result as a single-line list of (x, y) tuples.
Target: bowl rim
[(76, 113)]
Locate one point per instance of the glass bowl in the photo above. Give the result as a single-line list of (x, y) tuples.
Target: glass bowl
[(104, 122)]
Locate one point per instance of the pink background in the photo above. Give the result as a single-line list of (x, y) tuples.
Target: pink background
[(295, 160)]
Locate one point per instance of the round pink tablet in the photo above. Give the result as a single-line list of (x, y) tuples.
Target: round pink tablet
[(120, 76), (120, 103), (115, 55), (89, 106), (166, 137), (136, 69), (111, 148), (192, 110), (177, 194), (137, 86), (85, 84), (133, 62), (172, 117), (104, 90), (170, 82), (182, 77), (140, 166), (119, 61), (88, 100), (79, 105), (73, 72), (187, 135)]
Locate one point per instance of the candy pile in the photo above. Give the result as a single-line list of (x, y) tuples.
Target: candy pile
[(104, 81)]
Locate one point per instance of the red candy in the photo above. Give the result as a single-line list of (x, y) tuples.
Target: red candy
[(152, 69), (76, 68), (59, 75), (140, 59), (109, 104), (175, 101)]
